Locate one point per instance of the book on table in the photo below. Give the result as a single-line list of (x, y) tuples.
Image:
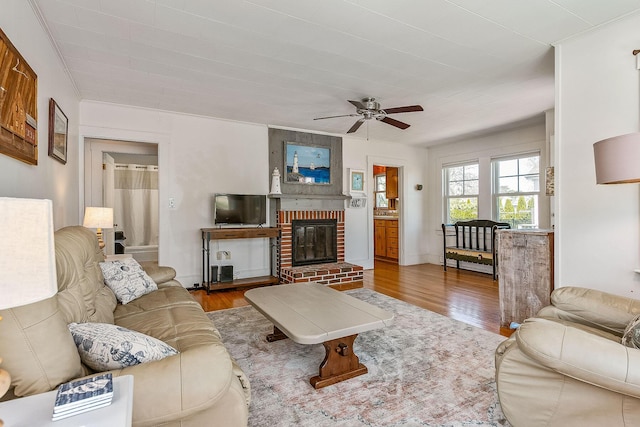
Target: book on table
[(79, 410), (84, 395)]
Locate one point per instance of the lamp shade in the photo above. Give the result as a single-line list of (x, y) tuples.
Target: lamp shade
[(27, 254), (95, 217), (618, 159)]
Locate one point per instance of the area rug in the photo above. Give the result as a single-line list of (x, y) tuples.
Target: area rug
[(424, 370)]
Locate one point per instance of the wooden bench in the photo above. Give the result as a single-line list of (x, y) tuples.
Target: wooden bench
[(474, 242)]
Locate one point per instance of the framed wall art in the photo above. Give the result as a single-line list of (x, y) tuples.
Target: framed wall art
[(283, 144), (58, 130), (307, 164), (549, 183), (18, 105), (356, 181)]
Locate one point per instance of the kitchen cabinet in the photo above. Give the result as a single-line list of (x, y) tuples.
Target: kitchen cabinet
[(392, 183), (386, 238), (380, 234)]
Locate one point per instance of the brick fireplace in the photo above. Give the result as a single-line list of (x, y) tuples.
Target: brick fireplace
[(323, 202), (334, 272)]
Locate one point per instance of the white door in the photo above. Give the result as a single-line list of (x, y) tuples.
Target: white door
[(108, 199)]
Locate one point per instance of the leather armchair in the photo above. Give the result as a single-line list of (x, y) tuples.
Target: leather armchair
[(567, 366)]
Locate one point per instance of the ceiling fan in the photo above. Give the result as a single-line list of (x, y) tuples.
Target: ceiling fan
[(369, 108)]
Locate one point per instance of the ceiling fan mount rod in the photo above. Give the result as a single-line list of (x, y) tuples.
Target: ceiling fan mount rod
[(371, 104)]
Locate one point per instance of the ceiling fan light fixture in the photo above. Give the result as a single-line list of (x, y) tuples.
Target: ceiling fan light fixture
[(371, 103)]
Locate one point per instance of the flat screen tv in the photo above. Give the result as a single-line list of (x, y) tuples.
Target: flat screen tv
[(248, 209)]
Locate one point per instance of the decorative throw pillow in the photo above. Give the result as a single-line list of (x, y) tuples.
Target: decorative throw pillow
[(103, 346), (631, 336), (127, 279)]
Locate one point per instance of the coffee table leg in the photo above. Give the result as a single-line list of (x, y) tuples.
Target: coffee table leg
[(276, 335), (340, 363)]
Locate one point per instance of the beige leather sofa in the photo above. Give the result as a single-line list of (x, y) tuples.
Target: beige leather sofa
[(567, 367), (200, 386)]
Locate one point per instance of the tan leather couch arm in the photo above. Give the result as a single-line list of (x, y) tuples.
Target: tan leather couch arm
[(158, 273), (592, 307), (179, 386), (582, 355)]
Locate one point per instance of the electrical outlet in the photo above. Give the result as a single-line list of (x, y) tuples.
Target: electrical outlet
[(223, 255), (172, 203), (219, 255), (227, 254)]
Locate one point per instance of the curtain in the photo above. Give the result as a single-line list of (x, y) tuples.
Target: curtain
[(136, 204)]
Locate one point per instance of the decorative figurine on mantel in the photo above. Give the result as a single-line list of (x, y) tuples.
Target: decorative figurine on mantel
[(275, 182)]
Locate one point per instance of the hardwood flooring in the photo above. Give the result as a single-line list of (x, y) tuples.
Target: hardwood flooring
[(460, 294)]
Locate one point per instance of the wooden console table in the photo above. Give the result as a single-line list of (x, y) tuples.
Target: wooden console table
[(209, 234)]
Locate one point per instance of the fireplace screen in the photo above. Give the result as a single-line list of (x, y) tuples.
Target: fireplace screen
[(314, 241)]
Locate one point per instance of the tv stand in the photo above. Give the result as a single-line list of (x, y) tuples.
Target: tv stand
[(208, 234)]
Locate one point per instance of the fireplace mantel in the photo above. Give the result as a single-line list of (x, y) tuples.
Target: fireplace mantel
[(284, 202), (310, 196)]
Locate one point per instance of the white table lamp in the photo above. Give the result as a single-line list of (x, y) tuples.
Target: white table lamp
[(98, 218), (27, 258)]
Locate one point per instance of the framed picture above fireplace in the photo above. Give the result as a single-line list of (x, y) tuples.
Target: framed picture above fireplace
[(284, 143), (307, 164)]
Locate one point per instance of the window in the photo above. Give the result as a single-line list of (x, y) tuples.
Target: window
[(516, 190), (461, 184), (381, 192)]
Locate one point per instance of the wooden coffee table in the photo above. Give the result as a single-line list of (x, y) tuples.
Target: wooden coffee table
[(310, 313)]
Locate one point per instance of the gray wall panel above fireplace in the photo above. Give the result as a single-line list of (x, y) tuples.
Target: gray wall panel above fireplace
[(278, 138)]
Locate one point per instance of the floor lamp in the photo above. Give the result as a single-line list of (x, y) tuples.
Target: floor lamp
[(27, 259)]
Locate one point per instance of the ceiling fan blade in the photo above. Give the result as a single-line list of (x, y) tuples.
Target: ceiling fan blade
[(356, 126), (407, 109), (394, 122), (333, 117), (359, 105)]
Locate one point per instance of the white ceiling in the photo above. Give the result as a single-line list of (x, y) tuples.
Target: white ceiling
[(472, 64)]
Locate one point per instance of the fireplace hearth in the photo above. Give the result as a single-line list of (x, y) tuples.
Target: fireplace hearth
[(314, 241)]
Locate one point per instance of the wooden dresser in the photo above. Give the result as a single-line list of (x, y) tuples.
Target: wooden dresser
[(525, 273)]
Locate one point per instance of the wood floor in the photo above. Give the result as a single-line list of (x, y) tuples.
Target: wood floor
[(460, 294)]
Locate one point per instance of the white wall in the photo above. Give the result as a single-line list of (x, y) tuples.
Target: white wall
[(50, 179), (197, 157), (597, 96), (362, 154), (482, 149), (200, 156)]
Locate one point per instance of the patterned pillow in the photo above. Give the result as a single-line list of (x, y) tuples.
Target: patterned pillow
[(103, 346), (127, 279), (631, 336)]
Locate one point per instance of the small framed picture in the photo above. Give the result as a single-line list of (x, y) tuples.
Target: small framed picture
[(58, 129), (549, 181), (356, 180)]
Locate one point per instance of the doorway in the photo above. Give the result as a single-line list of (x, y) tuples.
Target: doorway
[(123, 175), (386, 213)]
